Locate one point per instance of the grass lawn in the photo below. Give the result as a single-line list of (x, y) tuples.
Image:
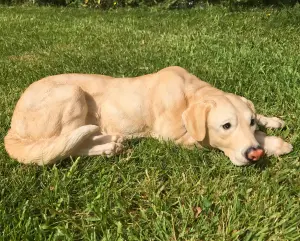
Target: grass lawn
[(155, 191)]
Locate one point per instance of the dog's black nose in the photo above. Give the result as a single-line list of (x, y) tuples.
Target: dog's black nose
[(254, 153)]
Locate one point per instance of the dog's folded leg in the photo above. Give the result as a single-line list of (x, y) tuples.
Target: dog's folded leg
[(273, 145), (108, 149), (106, 145), (269, 122)]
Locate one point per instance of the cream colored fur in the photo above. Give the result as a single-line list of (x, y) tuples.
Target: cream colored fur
[(78, 114)]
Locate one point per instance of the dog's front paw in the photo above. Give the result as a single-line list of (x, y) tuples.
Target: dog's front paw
[(277, 147), (272, 122), (275, 122), (284, 148)]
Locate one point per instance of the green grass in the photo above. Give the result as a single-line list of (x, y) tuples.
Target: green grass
[(151, 191)]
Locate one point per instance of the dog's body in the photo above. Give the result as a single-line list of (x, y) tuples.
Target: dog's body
[(77, 114)]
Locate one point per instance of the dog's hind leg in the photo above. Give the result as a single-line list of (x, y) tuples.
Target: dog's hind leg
[(49, 124), (106, 145)]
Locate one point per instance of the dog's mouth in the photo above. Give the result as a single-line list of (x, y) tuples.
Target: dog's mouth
[(245, 162), (245, 156), (238, 159)]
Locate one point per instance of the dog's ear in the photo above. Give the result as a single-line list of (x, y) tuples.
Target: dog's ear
[(249, 103), (194, 119)]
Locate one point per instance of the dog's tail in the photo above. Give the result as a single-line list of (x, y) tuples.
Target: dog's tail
[(46, 151)]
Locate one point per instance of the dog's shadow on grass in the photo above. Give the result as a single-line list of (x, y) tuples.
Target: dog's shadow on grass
[(263, 164), (131, 144)]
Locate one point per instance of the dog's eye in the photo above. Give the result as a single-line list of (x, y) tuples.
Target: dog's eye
[(252, 123), (226, 126)]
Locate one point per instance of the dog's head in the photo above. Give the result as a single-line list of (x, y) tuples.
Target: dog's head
[(226, 122)]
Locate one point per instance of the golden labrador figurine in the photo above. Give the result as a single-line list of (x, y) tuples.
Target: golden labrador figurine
[(78, 114)]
